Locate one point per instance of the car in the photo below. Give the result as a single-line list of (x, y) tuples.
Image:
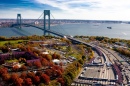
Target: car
[(85, 68)]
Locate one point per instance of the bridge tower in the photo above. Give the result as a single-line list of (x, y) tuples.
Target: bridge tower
[(46, 13), (19, 20)]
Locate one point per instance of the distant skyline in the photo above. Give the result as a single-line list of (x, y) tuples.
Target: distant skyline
[(67, 9)]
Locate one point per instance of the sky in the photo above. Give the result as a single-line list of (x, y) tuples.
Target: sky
[(67, 9)]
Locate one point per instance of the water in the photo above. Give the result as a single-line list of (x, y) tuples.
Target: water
[(118, 30)]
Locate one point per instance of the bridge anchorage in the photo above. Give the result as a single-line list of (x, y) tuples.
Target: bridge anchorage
[(19, 20)]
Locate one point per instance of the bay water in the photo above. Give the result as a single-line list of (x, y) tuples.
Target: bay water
[(121, 31)]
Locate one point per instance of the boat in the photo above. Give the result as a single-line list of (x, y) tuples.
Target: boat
[(96, 25), (109, 27)]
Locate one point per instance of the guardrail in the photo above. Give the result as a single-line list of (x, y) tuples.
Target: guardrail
[(97, 79)]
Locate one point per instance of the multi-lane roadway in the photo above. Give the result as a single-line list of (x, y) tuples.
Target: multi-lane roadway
[(108, 72), (95, 74)]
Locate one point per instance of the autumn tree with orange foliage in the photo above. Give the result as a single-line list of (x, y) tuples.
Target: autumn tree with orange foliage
[(29, 49), (61, 64), (14, 76), (59, 73), (61, 81), (45, 78), (55, 56), (30, 64), (51, 64), (15, 68), (6, 77), (44, 62), (23, 75), (23, 68), (38, 64), (30, 75), (18, 82), (47, 57), (22, 60), (3, 70), (48, 72), (36, 80), (28, 82)]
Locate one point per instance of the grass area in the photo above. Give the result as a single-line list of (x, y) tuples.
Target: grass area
[(74, 52), (12, 42), (10, 61), (64, 47), (76, 55)]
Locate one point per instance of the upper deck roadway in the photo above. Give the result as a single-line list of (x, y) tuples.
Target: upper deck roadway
[(56, 33)]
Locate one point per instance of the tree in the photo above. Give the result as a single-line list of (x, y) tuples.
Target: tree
[(61, 64), (29, 49), (61, 81), (31, 75), (36, 80), (23, 68), (22, 60), (38, 64), (83, 57), (56, 56), (15, 68), (38, 73), (48, 72), (18, 82), (44, 62), (29, 64), (71, 75), (14, 76), (41, 84), (45, 78), (48, 57), (51, 64), (80, 61), (3, 71), (28, 81), (67, 80), (6, 77), (59, 73), (23, 75)]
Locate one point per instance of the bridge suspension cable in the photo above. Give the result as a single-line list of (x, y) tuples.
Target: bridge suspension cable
[(59, 25), (39, 17)]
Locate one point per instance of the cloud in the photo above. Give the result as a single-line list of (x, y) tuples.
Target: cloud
[(92, 9), (69, 9), (26, 14), (124, 33)]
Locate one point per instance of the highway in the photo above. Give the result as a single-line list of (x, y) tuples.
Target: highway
[(97, 74), (124, 65)]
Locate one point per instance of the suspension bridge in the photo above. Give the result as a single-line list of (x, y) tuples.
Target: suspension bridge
[(46, 27)]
